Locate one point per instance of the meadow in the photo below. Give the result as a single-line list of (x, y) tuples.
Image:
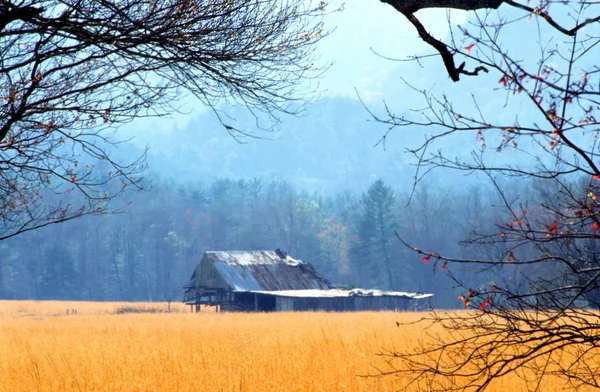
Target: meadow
[(102, 348)]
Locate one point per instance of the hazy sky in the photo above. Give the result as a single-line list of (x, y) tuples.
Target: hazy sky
[(361, 31), (369, 26), (361, 28)]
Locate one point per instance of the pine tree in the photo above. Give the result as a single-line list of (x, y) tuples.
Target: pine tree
[(376, 251)]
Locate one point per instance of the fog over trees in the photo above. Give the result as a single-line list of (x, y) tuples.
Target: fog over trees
[(318, 189), (150, 251), (323, 185)]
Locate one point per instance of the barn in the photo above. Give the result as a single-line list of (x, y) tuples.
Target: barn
[(267, 281)]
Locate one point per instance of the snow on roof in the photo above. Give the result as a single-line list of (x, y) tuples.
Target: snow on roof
[(340, 293), (265, 271)]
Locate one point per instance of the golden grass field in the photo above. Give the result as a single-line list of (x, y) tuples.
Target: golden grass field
[(44, 349)]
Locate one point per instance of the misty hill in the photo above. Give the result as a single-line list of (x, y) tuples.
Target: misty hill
[(331, 147)]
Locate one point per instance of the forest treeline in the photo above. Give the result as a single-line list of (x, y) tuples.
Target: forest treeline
[(148, 252)]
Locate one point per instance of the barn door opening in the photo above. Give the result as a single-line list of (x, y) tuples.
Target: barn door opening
[(266, 303)]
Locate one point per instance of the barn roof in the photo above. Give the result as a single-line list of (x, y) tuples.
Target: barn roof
[(265, 270), (341, 293)]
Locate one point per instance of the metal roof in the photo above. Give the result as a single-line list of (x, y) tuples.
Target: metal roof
[(339, 293), (265, 270)]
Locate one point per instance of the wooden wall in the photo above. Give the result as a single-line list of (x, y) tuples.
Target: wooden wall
[(206, 276)]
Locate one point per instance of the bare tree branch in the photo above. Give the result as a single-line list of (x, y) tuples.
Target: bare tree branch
[(534, 311), (408, 8), (73, 71)]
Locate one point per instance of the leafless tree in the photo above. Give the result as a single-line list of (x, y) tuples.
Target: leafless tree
[(72, 71), (542, 327)]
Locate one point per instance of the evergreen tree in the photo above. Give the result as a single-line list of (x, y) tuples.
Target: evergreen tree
[(376, 250)]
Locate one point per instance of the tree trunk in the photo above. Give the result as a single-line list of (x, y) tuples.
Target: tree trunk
[(383, 244)]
